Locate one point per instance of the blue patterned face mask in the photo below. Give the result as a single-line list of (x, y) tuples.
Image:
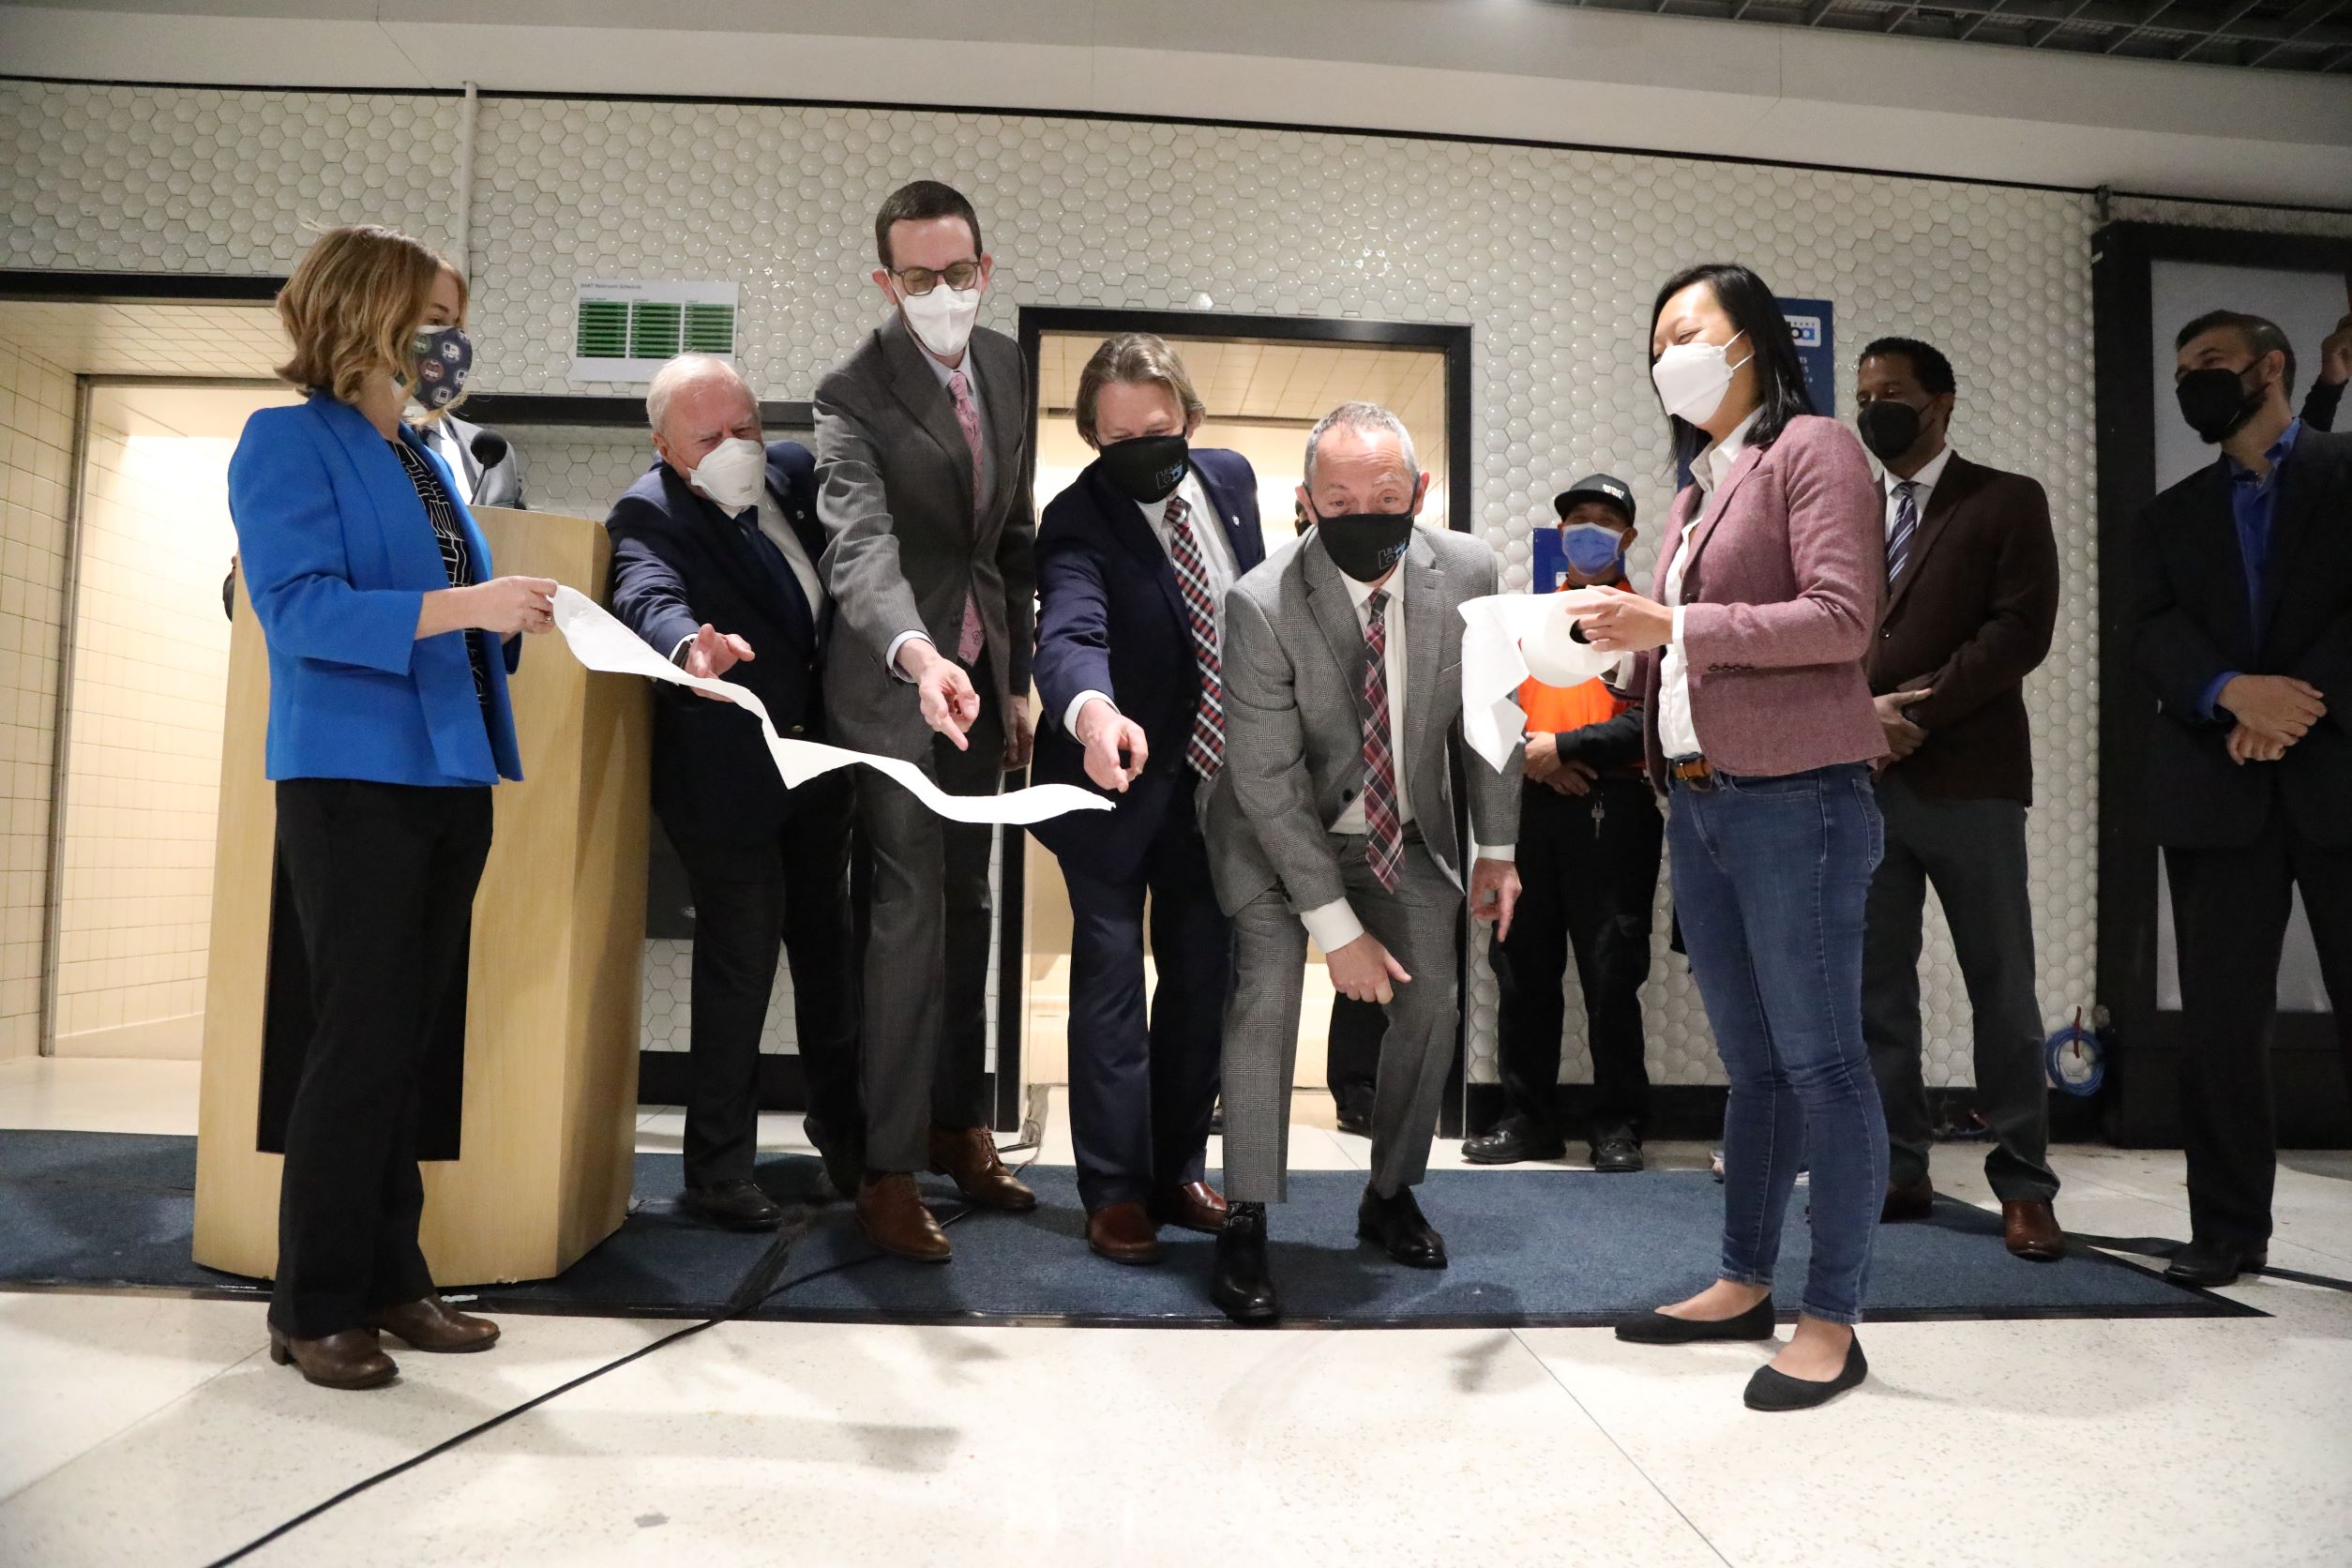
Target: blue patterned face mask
[(440, 358), (1591, 548)]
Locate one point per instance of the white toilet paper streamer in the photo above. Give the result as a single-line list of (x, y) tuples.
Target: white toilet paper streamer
[(1494, 662), (603, 643)]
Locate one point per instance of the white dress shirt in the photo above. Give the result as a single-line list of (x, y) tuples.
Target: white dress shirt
[(1217, 565), (1922, 483), (1678, 737), (970, 369), (779, 533)]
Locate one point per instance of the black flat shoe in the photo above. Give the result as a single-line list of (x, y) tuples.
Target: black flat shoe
[(1777, 1391), (1352, 1109), (1656, 1328), (1240, 1283), (1397, 1224), (1617, 1151), (732, 1206), (2209, 1262), (1513, 1140)]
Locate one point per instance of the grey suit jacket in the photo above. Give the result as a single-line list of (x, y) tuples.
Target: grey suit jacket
[(499, 485), (905, 540), (1294, 717)]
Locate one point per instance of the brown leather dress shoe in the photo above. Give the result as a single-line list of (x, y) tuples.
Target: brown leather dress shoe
[(350, 1359), (1124, 1233), (969, 1154), (1915, 1201), (430, 1323), (2031, 1230), (891, 1212), (1194, 1206)]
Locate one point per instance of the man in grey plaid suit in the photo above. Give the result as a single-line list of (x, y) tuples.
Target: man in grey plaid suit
[(1334, 818)]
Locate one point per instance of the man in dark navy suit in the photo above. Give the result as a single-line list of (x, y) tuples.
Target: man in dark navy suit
[(2242, 627), (1132, 561), (715, 558)]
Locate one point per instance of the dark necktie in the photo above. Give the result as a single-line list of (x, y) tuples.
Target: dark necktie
[(1906, 524), (799, 612), (1380, 823), (1205, 748)]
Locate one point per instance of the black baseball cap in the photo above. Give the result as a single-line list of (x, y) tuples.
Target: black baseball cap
[(1605, 488)]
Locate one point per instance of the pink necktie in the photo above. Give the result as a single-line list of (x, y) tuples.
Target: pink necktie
[(1379, 763), (971, 640)]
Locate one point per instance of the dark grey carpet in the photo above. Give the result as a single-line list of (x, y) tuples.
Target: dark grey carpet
[(1529, 1247)]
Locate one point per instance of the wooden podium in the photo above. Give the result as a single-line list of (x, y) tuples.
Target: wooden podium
[(550, 1107)]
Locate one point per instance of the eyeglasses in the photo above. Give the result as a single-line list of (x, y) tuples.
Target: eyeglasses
[(960, 277)]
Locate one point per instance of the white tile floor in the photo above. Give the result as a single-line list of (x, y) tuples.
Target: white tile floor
[(152, 1431)]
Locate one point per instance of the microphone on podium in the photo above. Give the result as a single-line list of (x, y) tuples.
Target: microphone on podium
[(488, 448)]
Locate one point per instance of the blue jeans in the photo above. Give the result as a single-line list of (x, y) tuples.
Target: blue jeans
[(1771, 876)]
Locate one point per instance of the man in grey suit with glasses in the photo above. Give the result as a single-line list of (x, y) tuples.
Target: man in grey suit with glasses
[(923, 477), (1334, 818)]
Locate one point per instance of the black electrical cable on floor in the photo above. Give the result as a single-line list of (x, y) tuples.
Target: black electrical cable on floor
[(755, 1290)]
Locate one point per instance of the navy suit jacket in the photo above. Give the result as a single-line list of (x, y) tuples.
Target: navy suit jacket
[(679, 560), (1111, 619)]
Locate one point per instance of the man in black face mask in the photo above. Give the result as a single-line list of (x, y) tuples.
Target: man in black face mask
[(1132, 561), (1973, 596), (1334, 818), (2243, 624)]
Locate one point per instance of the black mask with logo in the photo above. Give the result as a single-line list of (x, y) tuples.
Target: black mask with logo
[(1148, 467), (1887, 428), (1364, 545), (2216, 403)]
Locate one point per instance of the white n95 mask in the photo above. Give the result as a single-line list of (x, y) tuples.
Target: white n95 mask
[(943, 319), (1692, 378), (733, 473)]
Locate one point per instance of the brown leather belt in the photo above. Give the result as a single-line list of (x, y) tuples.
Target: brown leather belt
[(1696, 772)]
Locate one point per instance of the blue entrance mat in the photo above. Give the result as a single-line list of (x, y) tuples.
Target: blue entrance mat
[(1529, 1247)]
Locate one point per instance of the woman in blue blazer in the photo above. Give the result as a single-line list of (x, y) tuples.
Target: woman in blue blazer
[(389, 647)]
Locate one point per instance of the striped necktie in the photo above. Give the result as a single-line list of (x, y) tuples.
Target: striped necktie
[(1906, 524), (1379, 760), (1205, 748)]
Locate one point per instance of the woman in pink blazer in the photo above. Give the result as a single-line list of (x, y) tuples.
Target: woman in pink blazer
[(1760, 730)]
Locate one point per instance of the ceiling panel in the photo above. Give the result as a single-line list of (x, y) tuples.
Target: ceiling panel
[(172, 339)]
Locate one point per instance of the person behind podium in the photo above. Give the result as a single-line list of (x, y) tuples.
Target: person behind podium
[(389, 647), (1132, 561), (714, 556)]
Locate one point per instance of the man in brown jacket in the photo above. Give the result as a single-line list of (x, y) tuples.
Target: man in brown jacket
[(1972, 592)]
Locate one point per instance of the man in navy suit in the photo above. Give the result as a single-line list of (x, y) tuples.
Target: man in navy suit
[(1132, 561), (715, 558)]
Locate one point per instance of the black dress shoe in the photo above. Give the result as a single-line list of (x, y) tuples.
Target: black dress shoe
[(732, 1206), (1355, 1105), (1616, 1150), (1397, 1224), (2209, 1261), (1777, 1391), (1657, 1328), (1514, 1139), (844, 1156), (1239, 1281)]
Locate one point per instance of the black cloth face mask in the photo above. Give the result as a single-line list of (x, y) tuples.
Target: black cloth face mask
[(2216, 403), (1364, 545), (1148, 467), (1887, 428)]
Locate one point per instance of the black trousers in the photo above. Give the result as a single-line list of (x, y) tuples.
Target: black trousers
[(792, 889), (383, 877), (1141, 1091), (2230, 909), (1351, 1050), (925, 1035), (1588, 885), (1973, 852)]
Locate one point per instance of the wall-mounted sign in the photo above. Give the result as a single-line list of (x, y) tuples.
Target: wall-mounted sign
[(625, 328), (1812, 322)]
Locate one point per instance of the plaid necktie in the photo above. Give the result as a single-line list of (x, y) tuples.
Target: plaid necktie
[(1906, 524), (1379, 762), (971, 640), (1205, 750)]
